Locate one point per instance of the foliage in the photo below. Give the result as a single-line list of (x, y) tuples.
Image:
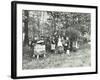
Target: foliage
[(45, 23), (72, 33)]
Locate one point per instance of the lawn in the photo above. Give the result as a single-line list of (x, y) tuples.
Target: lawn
[(80, 58)]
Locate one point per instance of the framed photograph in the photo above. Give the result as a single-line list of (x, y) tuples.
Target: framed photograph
[(50, 39)]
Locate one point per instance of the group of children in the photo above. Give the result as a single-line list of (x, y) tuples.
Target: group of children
[(53, 44), (60, 45)]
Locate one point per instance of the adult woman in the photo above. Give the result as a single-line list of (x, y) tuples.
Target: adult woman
[(48, 45), (53, 44)]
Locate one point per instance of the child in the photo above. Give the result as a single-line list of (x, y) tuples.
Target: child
[(67, 46), (53, 45), (60, 45)]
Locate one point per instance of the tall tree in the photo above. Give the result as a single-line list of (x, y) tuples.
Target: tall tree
[(26, 14)]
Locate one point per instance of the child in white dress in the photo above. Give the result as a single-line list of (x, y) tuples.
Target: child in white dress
[(59, 42), (60, 45)]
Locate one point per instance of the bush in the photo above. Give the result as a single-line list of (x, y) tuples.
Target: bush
[(72, 33)]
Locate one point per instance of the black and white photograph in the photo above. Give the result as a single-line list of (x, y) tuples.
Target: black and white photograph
[(55, 39)]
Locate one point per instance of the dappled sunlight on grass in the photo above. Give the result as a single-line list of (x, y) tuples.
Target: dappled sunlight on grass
[(80, 58)]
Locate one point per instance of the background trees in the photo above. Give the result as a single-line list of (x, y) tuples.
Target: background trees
[(46, 23), (25, 26)]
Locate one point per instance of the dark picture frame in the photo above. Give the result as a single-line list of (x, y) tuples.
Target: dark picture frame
[(14, 37)]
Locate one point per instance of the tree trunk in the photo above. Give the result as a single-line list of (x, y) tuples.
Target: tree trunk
[(26, 28)]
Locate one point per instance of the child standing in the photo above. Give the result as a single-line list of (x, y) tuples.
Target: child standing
[(66, 46)]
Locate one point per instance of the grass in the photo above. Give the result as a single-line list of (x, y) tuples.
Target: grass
[(80, 58)]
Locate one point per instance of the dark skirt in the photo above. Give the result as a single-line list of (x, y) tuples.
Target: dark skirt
[(66, 48)]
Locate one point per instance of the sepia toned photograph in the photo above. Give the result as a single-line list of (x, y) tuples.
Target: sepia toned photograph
[(53, 39)]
